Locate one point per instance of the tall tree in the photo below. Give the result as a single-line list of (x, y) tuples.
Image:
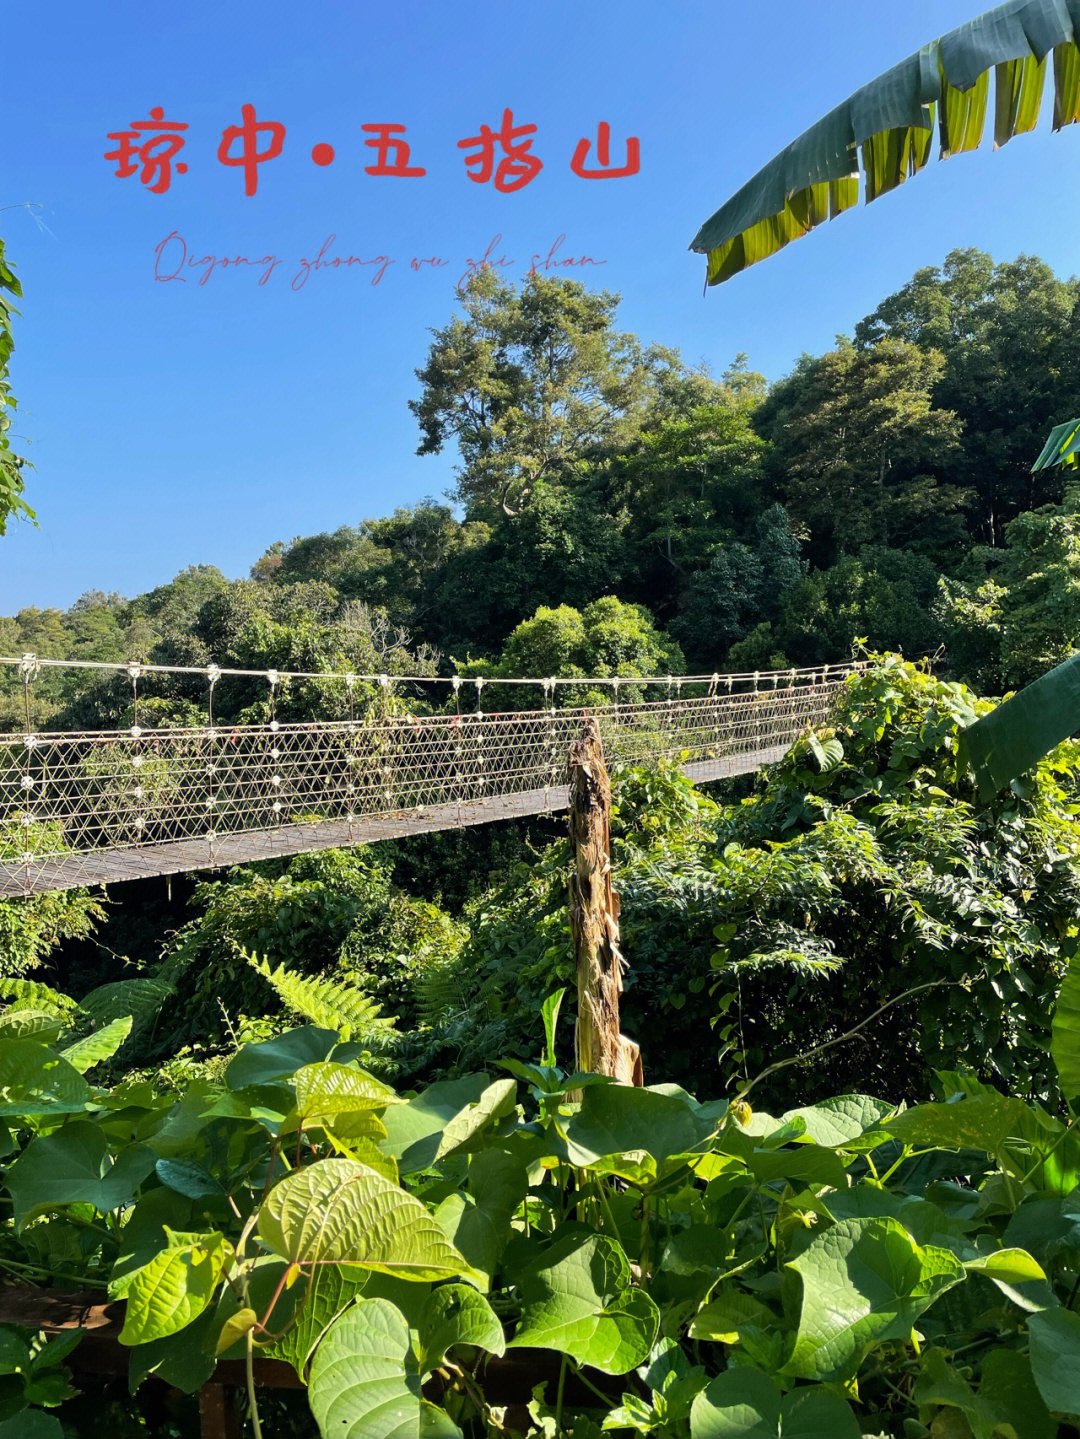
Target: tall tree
[(856, 442), (1011, 367), (533, 383)]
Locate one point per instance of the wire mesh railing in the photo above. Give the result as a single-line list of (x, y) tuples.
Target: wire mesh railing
[(88, 806)]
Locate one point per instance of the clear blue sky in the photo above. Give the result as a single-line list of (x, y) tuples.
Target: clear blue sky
[(173, 424)]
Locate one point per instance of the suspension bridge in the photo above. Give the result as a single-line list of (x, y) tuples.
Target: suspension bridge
[(396, 756)]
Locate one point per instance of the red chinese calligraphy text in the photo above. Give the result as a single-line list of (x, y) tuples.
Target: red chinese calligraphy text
[(155, 151), (516, 167), (603, 155), (251, 157), (391, 151)]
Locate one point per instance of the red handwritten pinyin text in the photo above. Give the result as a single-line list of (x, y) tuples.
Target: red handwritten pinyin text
[(175, 261)]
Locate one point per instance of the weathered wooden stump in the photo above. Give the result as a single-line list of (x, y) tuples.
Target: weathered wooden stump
[(594, 917)]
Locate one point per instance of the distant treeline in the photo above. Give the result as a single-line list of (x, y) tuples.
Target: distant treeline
[(623, 512)]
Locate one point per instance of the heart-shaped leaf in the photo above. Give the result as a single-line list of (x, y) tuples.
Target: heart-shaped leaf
[(457, 1314), (365, 1380), (72, 1166), (340, 1212), (578, 1299), (746, 1404), (863, 1281), (175, 1287)]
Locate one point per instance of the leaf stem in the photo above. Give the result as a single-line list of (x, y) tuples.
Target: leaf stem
[(249, 1369), (558, 1397)]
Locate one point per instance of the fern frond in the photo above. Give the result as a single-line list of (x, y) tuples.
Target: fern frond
[(441, 991), (323, 1002), (31, 995)]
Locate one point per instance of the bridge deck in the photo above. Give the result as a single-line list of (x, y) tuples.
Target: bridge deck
[(113, 866)]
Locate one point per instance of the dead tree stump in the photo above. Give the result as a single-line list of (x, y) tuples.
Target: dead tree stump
[(594, 918)]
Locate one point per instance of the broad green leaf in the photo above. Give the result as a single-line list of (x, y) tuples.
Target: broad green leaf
[(578, 1299), (983, 1122), (31, 1024), (1007, 1395), (366, 1151), (414, 1130), (1055, 1358), (146, 1233), (1065, 1042), (940, 1384), (727, 1313), (97, 1047), (188, 1178), (745, 1404), (1008, 1387), (924, 1221), (32, 1424), (1024, 728), (478, 1220), (1044, 1225), (365, 1381), (326, 1089), (175, 1287), (276, 1058), (341, 1212), (332, 1290), (184, 1122), (497, 1101), (886, 131), (631, 1132), (72, 1165), (35, 1081), (1012, 1266), (837, 1122), (863, 1281), (184, 1359), (457, 1314)]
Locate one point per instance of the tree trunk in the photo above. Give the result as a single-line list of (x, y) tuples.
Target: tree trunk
[(594, 918)]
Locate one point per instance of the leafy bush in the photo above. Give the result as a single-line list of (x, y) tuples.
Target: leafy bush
[(334, 914), (863, 866), (691, 1270)]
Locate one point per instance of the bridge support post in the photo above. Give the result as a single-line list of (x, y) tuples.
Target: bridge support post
[(600, 1046)]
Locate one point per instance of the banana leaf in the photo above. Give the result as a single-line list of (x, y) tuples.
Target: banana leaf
[(1062, 448), (883, 133), (1014, 737)]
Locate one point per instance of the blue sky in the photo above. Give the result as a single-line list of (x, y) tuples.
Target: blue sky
[(173, 424)]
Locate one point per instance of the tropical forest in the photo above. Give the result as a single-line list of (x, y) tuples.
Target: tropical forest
[(689, 1107)]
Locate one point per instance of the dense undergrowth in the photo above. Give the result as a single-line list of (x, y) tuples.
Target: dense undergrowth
[(841, 1269), (314, 1126)]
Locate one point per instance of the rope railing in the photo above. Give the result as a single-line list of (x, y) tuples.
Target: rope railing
[(92, 806)]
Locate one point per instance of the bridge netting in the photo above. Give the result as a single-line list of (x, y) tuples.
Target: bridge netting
[(80, 807)]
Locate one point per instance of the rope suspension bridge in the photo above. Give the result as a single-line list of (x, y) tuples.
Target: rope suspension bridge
[(98, 806)]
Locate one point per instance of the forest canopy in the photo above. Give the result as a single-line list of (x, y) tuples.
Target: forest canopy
[(881, 491)]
